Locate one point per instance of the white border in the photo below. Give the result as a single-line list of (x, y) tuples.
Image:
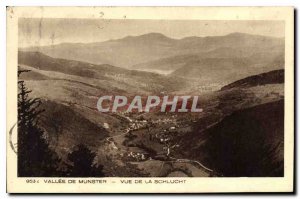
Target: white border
[(4, 3)]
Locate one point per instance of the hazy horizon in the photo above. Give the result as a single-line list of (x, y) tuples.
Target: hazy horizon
[(43, 32)]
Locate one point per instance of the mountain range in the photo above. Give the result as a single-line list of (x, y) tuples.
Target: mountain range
[(159, 52), (153, 59)]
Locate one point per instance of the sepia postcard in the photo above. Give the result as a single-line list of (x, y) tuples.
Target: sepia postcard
[(150, 99)]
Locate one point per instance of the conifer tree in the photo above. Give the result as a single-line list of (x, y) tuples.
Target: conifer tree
[(81, 160), (35, 158)]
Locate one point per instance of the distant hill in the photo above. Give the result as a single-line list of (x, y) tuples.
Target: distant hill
[(104, 76), (272, 77), (225, 70), (43, 62), (134, 50), (253, 55)]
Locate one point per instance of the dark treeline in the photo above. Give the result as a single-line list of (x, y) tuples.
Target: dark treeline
[(35, 156)]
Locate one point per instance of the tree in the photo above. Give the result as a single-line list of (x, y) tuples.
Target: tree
[(35, 158), (81, 160), (168, 139)]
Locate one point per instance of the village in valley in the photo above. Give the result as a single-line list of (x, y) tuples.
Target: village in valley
[(147, 140)]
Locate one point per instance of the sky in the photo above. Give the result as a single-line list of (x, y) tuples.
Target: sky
[(40, 32)]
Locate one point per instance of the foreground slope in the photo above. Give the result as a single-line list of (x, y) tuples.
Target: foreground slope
[(248, 142), (243, 135), (67, 127)]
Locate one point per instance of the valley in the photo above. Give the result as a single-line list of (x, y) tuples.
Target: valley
[(240, 85)]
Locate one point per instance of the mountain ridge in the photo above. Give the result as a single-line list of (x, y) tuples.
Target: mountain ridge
[(132, 50), (155, 34)]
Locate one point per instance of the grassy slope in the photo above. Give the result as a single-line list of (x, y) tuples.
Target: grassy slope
[(67, 128)]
